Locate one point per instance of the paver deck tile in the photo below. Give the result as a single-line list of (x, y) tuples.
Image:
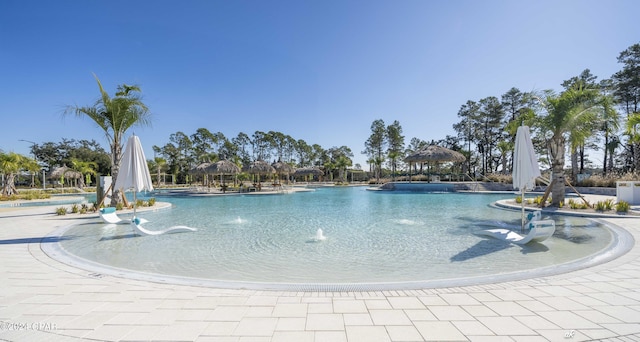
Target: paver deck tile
[(357, 319), (291, 324), (367, 333), (349, 306), (290, 310), (507, 326), (389, 317), (293, 336), (472, 328), (330, 336), (256, 327), (450, 313), (439, 331), (325, 322), (508, 309), (404, 333)]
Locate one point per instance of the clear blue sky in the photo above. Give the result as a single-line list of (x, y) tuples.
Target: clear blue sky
[(321, 71)]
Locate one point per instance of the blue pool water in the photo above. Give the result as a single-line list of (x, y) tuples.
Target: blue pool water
[(371, 237)]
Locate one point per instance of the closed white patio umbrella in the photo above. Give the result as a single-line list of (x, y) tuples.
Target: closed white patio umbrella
[(134, 172), (525, 164)]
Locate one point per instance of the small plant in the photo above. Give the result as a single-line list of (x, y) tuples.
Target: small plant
[(61, 211), (578, 205), (119, 206), (518, 199), (152, 201), (604, 205), (538, 200), (75, 209), (622, 207), (140, 203)]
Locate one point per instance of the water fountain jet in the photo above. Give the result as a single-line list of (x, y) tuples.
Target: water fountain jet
[(319, 235)]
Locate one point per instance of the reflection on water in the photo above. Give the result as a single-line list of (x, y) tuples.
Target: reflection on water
[(370, 237)]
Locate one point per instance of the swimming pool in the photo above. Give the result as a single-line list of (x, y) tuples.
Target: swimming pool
[(371, 238)]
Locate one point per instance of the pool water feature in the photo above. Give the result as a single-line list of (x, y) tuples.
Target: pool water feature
[(369, 238)]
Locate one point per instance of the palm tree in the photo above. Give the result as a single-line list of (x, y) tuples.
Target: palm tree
[(632, 127), (609, 126), (86, 168), (159, 164), (10, 164), (115, 115), (570, 117), (33, 167), (342, 163)]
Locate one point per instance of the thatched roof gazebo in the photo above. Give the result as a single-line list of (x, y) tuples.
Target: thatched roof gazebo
[(282, 168), (259, 168), (201, 169), (306, 171), (223, 167), (434, 154), (64, 172)]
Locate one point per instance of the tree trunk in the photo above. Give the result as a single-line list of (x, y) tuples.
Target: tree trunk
[(606, 150), (116, 155), (556, 147), (581, 160), (574, 166), (611, 160), (636, 157), (9, 185)]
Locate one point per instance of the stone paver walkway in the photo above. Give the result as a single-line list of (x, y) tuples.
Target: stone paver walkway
[(44, 300)]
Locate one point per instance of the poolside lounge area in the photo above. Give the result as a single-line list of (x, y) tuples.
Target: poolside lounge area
[(42, 299)]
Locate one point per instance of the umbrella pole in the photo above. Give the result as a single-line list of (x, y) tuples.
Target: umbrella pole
[(135, 203), (522, 214)]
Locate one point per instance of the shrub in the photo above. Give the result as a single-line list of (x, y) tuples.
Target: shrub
[(609, 180), (578, 205), (61, 211), (622, 207), (140, 203), (75, 209), (119, 206), (538, 199), (604, 205), (152, 201), (518, 199)]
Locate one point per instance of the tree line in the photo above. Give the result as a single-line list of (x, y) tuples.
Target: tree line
[(183, 152), (586, 115)]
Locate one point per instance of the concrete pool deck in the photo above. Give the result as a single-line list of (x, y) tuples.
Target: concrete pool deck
[(42, 299)]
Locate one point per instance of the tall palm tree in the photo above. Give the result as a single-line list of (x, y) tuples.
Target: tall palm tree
[(159, 164), (33, 167), (115, 115), (570, 117), (610, 124), (342, 163)]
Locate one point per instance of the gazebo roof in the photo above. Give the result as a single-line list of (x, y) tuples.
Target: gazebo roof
[(435, 153)]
